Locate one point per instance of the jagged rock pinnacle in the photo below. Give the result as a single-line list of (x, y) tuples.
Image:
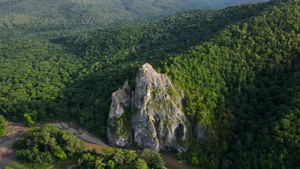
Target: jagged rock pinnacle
[(157, 120)]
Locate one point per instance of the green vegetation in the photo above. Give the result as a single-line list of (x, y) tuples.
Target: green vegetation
[(121, 159), (41, 147), (238, 67), (3, 126), (72, 78), (243, 85), (63, 15)]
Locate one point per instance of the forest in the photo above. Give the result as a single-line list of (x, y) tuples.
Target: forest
[(65, 16), (238, 68)]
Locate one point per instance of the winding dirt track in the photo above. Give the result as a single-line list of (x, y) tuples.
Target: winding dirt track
[(16, 130), (81, 133)]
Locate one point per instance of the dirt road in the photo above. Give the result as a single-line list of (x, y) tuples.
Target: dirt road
[(81, 133), (16, 130)]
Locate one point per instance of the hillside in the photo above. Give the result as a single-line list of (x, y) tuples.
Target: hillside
[(238, 67), (222, 4), (242, 88), (241, 84), (81, 14)]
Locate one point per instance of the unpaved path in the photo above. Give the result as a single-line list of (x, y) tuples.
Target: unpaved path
[(81, 133), (16, 130)]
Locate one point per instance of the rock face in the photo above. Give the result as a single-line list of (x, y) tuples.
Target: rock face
[(199, 131), (157, 120), (118, 131)]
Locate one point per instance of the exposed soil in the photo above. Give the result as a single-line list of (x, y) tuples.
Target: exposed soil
[(14, 132), (172, 163), (81, 133)]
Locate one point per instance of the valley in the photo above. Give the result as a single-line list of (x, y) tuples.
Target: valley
[(236, 70), (15, 131)]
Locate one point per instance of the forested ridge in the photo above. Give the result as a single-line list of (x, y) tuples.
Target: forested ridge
[(238, 67), (242, 87), (64, 15)]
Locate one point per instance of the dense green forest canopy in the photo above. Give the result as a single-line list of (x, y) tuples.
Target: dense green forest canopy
[(122, 159), (66, 15), (243, 88), (239, 68)]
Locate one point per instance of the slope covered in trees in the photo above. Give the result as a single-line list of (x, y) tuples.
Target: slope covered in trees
[(238, 67), (79, 14), (242, 85), (43, 80), (117, 53), (243, 88)]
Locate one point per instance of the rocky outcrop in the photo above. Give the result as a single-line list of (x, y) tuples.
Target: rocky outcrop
[(199, 131), (157, 120), (118, 129)]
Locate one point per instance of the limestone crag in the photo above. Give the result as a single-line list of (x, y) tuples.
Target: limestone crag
[(157, 120), (118, 134)]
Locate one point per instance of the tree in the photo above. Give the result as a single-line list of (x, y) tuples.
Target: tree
[(99, 164), (157, 162), (58, 152), (140, 164), (29, 118), (87, 161), (119, 157), (111, 164), (107, 152), (43, 146), (129, 157), (3, 126), (147, 155), (195, 160)]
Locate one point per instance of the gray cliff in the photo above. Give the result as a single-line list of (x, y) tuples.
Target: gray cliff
[(118, 134), (157, 119)]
